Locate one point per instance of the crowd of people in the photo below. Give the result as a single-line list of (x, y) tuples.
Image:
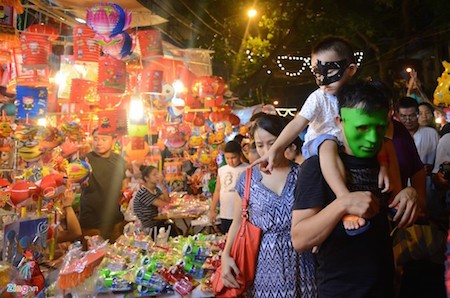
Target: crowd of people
[(327, 205)]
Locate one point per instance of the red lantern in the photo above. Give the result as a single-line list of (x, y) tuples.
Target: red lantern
[(111, 75), (233, 119), (199, 120), (216, 116), (83, 91), (150, 43), (151, 81), (85, 48), (36, 45), (112, 122)]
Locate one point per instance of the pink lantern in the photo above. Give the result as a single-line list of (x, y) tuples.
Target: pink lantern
[(108, 19), (121, 48), (85, 48), (150, 43)]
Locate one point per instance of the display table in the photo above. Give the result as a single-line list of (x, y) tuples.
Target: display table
[(182, 210)]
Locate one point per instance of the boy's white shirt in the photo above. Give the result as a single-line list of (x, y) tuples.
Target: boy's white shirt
[(228, 177), (321, 109)]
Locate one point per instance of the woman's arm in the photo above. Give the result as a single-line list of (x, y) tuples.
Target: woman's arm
[(73, 231), (229, 267)]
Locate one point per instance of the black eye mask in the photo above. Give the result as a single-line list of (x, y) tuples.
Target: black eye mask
[(320, 71)]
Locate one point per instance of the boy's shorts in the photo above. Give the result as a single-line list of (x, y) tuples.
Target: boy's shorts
[(311, 148)]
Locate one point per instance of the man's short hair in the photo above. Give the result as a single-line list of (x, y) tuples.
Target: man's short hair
[(95, 130), (407, 102), (366, 95), (233, 147), (338, 44)]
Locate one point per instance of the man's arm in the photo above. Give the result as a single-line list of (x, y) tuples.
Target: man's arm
[(310, 227)]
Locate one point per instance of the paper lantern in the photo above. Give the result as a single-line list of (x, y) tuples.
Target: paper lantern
[(151, 81), (85, 48), (150, 44), (111, 75), (108, 19), (137, 149), (78, 171), (112, 122), (83, 91), (31, 102), (36, 45), (122, 48)]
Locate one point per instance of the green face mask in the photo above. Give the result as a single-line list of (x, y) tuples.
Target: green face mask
[(364, 131)]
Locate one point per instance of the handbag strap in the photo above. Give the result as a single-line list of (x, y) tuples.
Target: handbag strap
[(248, 179)]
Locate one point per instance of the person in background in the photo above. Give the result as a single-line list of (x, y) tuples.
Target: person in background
[(294, 151), (244, 142), (280, 270), (252, 152), (225, 185), (71, 229), (426, 115), (99, 203), (352, 265), (425, 138), (152, 194)]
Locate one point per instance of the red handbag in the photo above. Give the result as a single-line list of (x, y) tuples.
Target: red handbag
[(244, 250)]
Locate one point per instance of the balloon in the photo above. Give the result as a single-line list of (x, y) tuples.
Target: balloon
[(442, 92)]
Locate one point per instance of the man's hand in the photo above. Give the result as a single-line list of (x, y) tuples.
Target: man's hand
[(406, 204), (361, 203)]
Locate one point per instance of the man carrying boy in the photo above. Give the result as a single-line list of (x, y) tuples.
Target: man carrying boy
[(361, 265), (226, 181)]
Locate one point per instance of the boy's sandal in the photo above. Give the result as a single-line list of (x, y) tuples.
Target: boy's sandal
[(354, 218)]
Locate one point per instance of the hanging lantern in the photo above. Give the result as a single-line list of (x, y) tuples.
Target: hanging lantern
[(83, 91), (150, 44), (112, 122), (111, 75), (120, 49), (108, 19), (31, 102), (151, 81), (36, 45), (233, 119), (85, 48)]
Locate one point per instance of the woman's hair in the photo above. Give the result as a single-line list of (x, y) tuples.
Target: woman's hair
[(429, 106), (146, 170), (273, 124)]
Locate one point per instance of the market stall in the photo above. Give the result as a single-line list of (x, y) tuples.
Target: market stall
[(166, 109)]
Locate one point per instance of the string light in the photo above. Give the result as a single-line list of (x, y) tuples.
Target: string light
[(305, 63)]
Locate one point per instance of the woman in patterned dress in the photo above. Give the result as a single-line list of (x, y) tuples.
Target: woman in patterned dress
[(280, 270)]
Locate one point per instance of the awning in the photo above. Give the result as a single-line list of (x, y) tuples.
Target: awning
[(63, 9)]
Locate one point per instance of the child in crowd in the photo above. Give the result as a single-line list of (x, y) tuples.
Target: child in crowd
[(333, 65), (225, 185), (152, 195)]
